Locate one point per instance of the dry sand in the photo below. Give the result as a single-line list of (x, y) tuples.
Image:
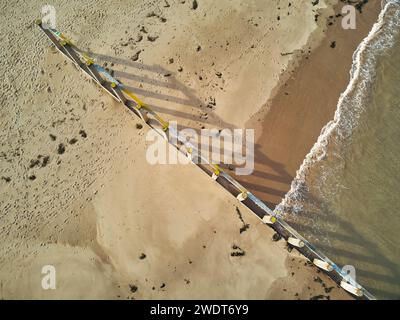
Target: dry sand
[(95, 209)]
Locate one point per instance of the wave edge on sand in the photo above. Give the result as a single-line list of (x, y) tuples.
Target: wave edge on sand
[(350, 104)]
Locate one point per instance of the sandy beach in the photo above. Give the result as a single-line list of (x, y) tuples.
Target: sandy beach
[(292, 119), (76, 189)]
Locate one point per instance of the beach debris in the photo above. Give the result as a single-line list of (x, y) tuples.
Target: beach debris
[(239, 252), (73, 141), (142, 256), (135, 57), (171, 60), (61, 148), (180, 69), (211, 103), (194, 4), (328, 290), (153, 14), (45, 161), (333, 44), (315, 2), (34, 163), (143, 29), (83, 133), (32, 177), (162, 285), (152, 38), (6, 179), (218, 74), (198, 48), (167, 75), (133, 288), (245, 225), (166, 5), (139, 126), (52, 137)]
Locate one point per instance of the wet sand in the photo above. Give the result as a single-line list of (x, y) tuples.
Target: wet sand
[(292, 120)]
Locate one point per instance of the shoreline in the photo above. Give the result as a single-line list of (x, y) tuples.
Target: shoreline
[(294, 117), (90, 208)]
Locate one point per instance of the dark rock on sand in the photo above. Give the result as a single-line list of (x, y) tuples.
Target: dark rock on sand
[(83, 133), (152, 38), (34, 163), (45, 161), (61, 148), (133, 288), (135, 57), (142, 256)]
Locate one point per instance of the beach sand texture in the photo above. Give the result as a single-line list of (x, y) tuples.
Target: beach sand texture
[(77, 192)]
